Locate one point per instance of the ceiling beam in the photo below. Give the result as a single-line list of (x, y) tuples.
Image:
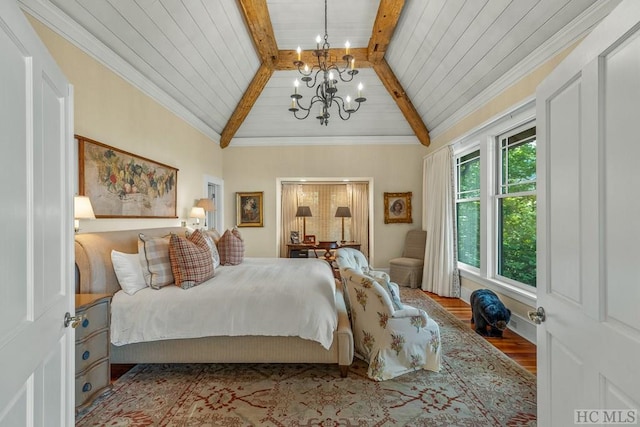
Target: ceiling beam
[(383, 28), (246, 103), (396, 91), (286, 58), (256, 16)]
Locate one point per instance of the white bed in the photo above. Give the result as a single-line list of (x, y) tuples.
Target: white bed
[(261, 296), (221, 320)]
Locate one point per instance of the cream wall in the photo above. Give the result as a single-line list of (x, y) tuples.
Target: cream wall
[(112, 111), (395, 168)]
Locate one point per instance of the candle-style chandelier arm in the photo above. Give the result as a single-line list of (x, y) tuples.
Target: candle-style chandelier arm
[(348, 110)]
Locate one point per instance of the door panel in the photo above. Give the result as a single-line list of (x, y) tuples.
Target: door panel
[(564, 124), (621, 176), (36, 258), (589, 345), (14, 72)]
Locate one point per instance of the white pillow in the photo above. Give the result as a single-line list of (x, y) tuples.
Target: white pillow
[(128, 271)]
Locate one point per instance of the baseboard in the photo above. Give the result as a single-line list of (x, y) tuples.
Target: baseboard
[(518, 324)]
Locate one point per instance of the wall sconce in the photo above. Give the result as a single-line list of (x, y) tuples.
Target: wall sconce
[(208, 206), (343, 212), (197, 213), (82, 209)]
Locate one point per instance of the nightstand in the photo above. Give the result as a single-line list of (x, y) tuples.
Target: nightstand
[(93, 371)]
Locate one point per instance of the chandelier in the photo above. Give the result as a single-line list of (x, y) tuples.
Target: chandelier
[(324, 76)]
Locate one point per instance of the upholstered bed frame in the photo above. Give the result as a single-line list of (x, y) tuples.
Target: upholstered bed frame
[(95, 274)]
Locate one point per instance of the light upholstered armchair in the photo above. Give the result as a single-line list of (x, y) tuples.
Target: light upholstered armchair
[(392, 337)]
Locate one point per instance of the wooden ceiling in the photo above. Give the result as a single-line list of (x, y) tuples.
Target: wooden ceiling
[(226, 66), (256, 15)]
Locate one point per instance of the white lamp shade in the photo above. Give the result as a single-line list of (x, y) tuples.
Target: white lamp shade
[(82, 208), (197, 212)]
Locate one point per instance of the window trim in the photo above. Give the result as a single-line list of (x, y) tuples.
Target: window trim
[(485, 138)]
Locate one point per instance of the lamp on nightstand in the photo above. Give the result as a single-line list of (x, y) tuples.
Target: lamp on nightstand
[(82, 209), (304, 212), (208, 206), (197, 213), (343, 212)]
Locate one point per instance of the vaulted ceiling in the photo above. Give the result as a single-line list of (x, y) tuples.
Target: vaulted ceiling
[(226, 66)]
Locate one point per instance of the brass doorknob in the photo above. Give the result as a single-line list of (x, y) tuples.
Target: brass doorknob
[(537, 316), (74, 321)]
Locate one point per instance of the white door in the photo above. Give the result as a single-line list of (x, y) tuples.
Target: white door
[(36, 229), (588, 116)]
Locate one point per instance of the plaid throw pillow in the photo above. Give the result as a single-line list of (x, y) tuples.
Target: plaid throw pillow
[(211, 242), (153, 253), (231, 248), (191, 260)]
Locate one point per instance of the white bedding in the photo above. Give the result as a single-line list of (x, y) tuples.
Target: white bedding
[(261, 296)]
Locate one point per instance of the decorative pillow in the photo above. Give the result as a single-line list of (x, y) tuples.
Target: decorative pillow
[(231, 247), (191, 260), (128, 271), (215, 255), (393, 292), (214, 234), (154, 259)]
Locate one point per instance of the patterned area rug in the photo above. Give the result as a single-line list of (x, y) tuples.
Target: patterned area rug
[(477, 386)]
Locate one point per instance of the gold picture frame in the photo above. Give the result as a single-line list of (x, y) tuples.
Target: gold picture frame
[(249, 209), (124, 185), (397, 208)]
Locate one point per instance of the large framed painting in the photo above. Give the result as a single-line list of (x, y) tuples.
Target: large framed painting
[(124, 185), (249, 209), (397, 208)]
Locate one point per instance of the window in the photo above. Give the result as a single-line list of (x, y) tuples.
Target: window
[(516, 196), (495, 183), (468, 208)]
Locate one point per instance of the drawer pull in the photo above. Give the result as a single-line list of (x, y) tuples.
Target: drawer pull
[(86, 387), (85, 322), (86, 355)]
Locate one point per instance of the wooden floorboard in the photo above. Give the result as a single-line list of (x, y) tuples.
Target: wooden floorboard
[(513, 345)]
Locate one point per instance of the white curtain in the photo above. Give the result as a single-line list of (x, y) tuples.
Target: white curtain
[(289, 220), (440, 274), (359, 196)]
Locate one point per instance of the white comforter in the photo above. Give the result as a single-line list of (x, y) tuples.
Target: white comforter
[(261, 296)]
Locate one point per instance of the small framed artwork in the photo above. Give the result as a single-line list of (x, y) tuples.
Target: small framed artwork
[(397, 208), (249, 209), (295, 237)]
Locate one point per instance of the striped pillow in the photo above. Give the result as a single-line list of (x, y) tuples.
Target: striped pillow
[(153, 253), (231, 248), (191, 260)]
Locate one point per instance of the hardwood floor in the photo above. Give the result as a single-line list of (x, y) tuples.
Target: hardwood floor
[(513, 345)]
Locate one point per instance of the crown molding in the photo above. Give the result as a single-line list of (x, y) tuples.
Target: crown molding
[(59, 22), (331, 140), (571, 33)]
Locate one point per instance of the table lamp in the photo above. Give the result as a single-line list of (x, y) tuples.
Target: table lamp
[(82, 209), (343, 212), (208, 206), (197, 213), (304, 212)]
